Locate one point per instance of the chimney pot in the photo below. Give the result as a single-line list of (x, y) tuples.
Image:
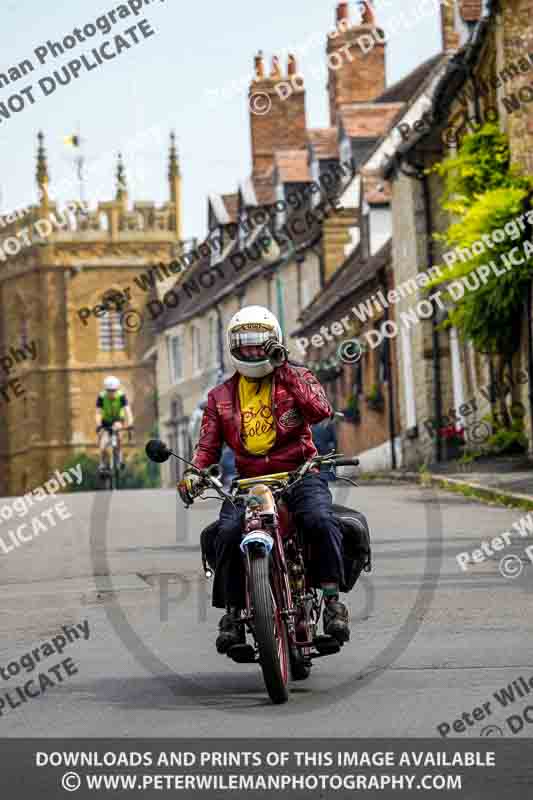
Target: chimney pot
[(343, 12), (368, 16), (291, 66), (259, 65), (276, 70)]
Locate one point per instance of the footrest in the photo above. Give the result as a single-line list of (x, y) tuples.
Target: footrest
[(326, 645), (242, 653)]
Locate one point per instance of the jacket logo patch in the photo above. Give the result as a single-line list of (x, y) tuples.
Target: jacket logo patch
[(291, 418)]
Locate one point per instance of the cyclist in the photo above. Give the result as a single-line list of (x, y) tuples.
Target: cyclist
[(112, 411), (264, 413)]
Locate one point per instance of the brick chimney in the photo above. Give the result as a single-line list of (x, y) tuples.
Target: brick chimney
[(450, 36), (277, 112), (356, 59), (471, 10)]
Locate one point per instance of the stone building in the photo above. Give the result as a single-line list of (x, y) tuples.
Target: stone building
[(64, 262), (482, 77)]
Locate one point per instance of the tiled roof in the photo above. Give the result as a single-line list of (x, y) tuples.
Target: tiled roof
[(366, 120), (324, 142), (192, 303), (403, 90), (292, 166)]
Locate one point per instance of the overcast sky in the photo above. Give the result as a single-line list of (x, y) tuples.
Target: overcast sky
[(191, 75)]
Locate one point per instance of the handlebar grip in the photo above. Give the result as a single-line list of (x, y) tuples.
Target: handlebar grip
[(346, 462)]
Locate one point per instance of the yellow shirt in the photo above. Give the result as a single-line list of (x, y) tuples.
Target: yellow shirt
[(258, 426)]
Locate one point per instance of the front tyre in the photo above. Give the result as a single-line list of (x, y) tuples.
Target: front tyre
[(270, 630)]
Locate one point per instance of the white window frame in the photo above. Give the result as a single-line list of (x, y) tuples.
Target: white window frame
[(173, 377), (196, 348), (212, 341)]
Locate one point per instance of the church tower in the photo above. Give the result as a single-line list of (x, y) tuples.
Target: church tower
[(52, 302)]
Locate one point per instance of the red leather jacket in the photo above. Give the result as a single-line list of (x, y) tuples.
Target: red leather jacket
[(298, 401)]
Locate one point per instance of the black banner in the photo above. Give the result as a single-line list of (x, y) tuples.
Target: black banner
[(484, 769)]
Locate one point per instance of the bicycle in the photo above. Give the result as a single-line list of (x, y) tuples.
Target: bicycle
[(110, 476)]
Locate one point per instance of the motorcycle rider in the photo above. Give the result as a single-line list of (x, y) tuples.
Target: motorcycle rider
[(264, 413)]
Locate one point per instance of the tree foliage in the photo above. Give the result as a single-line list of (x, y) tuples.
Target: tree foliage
[(483, 192), (140, 473)]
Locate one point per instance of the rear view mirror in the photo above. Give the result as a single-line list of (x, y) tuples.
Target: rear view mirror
[(157, 451)]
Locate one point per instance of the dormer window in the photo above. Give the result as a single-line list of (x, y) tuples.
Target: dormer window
[(345, 150), (216, 243)]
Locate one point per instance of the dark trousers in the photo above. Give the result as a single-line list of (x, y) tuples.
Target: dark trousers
[(310, 501)]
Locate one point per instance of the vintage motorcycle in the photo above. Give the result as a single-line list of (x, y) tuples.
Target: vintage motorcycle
[(283, 599)]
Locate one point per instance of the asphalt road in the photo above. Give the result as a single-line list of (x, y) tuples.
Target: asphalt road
[(429, 642)]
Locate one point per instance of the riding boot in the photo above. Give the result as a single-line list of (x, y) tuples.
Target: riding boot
[(336, 619), (231, 631)]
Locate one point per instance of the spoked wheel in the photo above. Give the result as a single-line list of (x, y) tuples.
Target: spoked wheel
[(116, 475), (270, 630), (115, 471)]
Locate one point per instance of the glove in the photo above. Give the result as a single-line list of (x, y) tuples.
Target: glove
[(189, 487), (275, 352)]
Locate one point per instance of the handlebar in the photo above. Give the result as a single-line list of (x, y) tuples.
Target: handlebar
[(331, 459), (158, 452), (346, 462)]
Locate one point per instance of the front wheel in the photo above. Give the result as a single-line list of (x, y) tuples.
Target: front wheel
[(270, 630)]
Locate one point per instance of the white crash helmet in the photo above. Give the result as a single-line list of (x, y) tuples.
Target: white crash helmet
[(111, 384), (252, 325)]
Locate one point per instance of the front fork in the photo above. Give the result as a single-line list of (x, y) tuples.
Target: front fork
[(278, 571)]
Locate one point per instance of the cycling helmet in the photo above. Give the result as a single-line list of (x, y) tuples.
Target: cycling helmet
[(111, 384), (247, 332)]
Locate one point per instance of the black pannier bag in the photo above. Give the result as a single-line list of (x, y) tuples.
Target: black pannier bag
[(357, 554)]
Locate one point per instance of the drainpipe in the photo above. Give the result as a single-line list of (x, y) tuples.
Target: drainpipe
[(390, 392), (435, 333)]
